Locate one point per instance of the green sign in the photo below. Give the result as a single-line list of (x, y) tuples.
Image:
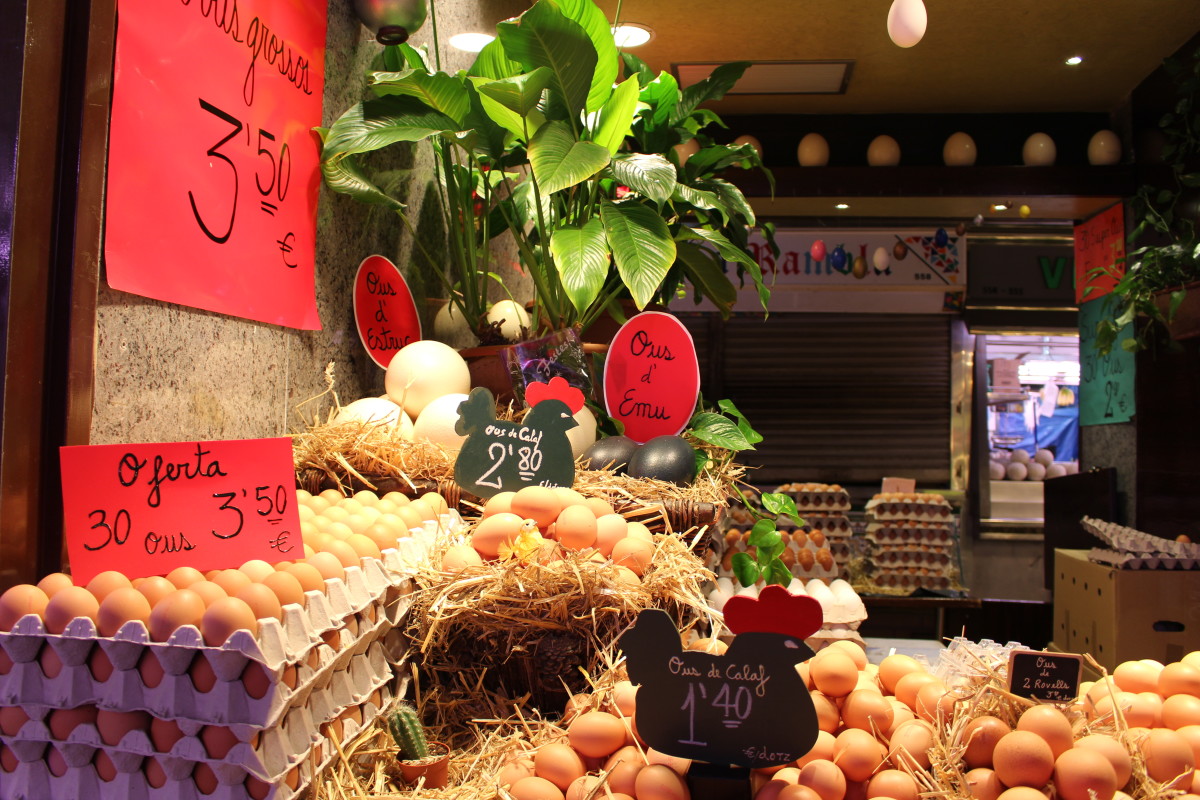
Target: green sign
[(1105, 382)]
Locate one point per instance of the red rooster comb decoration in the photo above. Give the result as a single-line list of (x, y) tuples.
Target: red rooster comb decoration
[(775, 610), (558, 389)]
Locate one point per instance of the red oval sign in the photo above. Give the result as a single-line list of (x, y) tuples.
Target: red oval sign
[(384, 310), (651, 376)]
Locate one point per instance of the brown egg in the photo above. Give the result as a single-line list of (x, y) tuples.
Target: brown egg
[(181, 607), (328, 565), (122, 605), (164, 733), (828, 717), (156, 776), (538, 503), (535, 788), (12, 718), (576, 527), (493, 531), (1022, 758), (105, 582), (856, 653), (915, 737), (218, 740), (1169, 757), (18, 601), (364, 546), (1022, 793), (286, 587), (209, 592), (822, 750), (1175, 678), (514, 771), (596, 734), (183, 577), (624, 698), (599, 506), (659, 782), (982, 784), (857, 754), (1180, 710), (346, 555), (224, 617), (824, 778), (610, 529), (61, 721), (581, 788), (256, 680), (70, 603), (308, 576), (53, 582), (205, 778), (114, 725), (638, 530), (934, 702), (634, 553), (559, 764), (833, 672), (893, 783), (797, 792), (106, 770), (202, 674), (1111, 749), (262, 601), (909, 685), (1136, 676), (867, 710), (55, 762), (1083, 774), (155, 588), (459, 557), (981, 735)]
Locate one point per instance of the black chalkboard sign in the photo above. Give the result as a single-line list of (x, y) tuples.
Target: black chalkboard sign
[(748, 707), (1037, 675), (501, 456)]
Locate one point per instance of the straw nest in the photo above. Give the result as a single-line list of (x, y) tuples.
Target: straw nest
[(987, 694), (510, 634)]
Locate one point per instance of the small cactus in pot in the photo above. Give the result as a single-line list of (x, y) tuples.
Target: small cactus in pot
[(417, 756)]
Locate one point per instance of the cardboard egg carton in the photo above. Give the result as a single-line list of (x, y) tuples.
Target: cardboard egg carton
[(937, 563), (1143, 546), (836, 526), (801, 555), (817, 496), (908, 532), (903, 579), (292, 655), (921, 506)]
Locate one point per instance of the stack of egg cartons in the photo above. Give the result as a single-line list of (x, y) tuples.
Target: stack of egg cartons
[(824, 507), (88, 716), (842, 610), (914, 544)]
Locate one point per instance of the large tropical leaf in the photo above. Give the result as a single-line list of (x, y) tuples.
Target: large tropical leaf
[(697, 198), (520, 93), (592, 20), (492, 62), (713, 87), (559, 161), (616, 117), (482, 131), (731, 197), (345, 175), (642, 247), (581, 255), (661, 95), (717, 157), (649, 175), (439, 91), (545, 38), (375, 124), (635, 67), (707, 275), (731, 252)]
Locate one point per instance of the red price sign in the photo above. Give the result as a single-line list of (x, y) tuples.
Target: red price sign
[(212, 163), (652, 376), (145, 509), (1099, 242), (384, 309)]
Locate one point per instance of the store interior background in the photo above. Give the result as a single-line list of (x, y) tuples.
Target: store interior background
[(85, 364)]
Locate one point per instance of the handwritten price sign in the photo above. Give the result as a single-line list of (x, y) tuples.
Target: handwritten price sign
[(144, 509), (213, 165), (384, 309), (1099, 243), (652, 376), (1053, 677)]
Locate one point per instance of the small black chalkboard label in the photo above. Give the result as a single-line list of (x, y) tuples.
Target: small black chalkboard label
[(1037, 675), (501, 456)]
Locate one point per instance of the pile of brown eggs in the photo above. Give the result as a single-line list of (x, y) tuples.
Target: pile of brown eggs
[(544, 524)]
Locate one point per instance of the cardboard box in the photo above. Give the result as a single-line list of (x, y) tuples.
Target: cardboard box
[(1005, 373), (1120, 615)]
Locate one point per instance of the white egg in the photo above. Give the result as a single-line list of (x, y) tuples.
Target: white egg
[(1055, 471), (959, 150), (1072, 467), (813, 151), (1044, 457), (796, 586), (685, 150), (1036, 472), (422, 371), (436, 422), (906, 22), (583, 435), (450, 327), (995, 470), (1104, 148), (1020, 457), (750, 140), (881, 258), (511, 317), (1039, 151), (1017, 471), (884, 151), (376, 411)]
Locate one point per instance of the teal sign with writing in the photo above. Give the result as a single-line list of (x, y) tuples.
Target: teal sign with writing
[(1105, 382)]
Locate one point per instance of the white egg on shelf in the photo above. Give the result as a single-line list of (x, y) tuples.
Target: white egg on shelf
[(813, 151), (436, 422), (376, 411), (959, 150), (583, 435), (1044, 457), (512, 319), (422, 371), (884, 151), (1035, 472), (797, 587), (748, 591), (450, 327), (1055, 471), (1039, 151), (1017, 471), (750, 140), (1104, 148), (995, 471), (1020, 457), (906, 22)]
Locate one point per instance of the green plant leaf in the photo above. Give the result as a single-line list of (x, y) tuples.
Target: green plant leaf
[(781, 505), (374, 124), (1177, 297), (596, 25), (642, 247), (559, 161), (1131, 345), (636, 68), (492, 62), (778, 574), (717, 431), (438, 91), (763, 533), (582, 257), (731, 252), (706, 272), (344, 175), (732, 197), (714, 87), (649, 175), (745, 570), (661, 95), (697, 198), (544, 37), (616, 117), (520, 93)]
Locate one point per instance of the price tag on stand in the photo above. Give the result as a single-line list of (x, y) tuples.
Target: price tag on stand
[(1099, 244), (213, 163), (1037, 675), (652, 376), (384, 309), (145, 509)]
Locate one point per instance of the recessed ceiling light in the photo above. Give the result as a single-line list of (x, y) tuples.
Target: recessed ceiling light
[(630, 34), (1073, 60), (471, 42), (1000, 206), (842, 206)]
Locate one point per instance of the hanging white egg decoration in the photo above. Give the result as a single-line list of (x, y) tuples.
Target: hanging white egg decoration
[(884, 151), (813, 151), (1104, 148), (959, 150), (1039, 151), (906, 22)]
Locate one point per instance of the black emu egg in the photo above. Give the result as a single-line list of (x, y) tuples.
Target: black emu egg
[(666, 458), (616, 451)]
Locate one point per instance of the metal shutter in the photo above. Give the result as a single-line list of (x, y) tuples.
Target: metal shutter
[(846, 398)]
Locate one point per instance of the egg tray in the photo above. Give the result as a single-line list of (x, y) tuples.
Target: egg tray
[(817, 496), (912, 558), (912, 582), (175, 696), (886, 533), (834, 525), (1134, 542), (1126, 561), (795, 563)]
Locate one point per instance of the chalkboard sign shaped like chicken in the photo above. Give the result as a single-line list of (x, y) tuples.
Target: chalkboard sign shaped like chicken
[(748, 707)]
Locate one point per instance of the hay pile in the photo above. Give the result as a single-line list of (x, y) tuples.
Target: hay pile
[(508, 634)]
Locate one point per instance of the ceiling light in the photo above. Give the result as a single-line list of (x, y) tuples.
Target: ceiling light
[(1073, 60), (471, 42), (630, 34), (1000, 206), (842, 206)]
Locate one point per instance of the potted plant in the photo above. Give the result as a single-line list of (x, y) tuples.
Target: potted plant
[(1158, 276), (417, 758), (558, 139)]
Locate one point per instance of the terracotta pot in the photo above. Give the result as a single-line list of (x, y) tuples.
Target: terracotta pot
[(489, 369), (1187, 317), (435, 768)]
